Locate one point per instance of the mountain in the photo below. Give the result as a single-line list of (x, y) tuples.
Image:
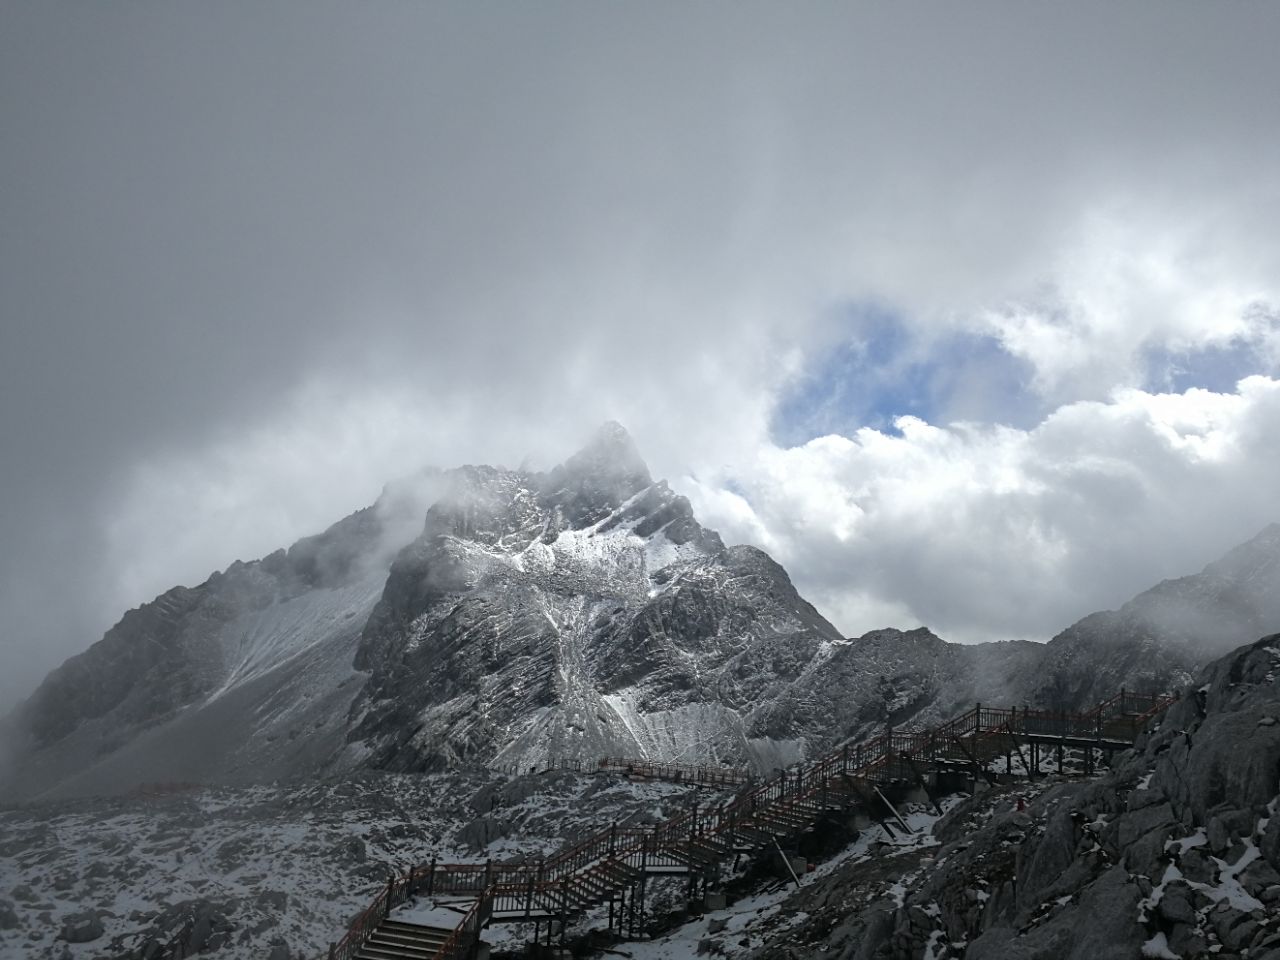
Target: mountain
[(471, 615), (487, 616), (246, 676), (1160, 638), (580, 613)]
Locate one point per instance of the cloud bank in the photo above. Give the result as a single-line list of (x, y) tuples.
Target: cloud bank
[(255, 261), (1000, 533)]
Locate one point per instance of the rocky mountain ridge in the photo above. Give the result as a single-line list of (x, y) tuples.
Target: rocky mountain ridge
[(484, 615)]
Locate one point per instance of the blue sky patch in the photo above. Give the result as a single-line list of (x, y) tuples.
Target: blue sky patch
[(1214, 368), (879, 370)]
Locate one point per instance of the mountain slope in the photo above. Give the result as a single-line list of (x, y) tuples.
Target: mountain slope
[(571, 613), (1161, 637), (580, 613), (246, 676)]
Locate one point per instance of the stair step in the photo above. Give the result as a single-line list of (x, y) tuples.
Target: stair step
[(377, 951), (416, 929), (408, 943), (397, 940), (420, 933)]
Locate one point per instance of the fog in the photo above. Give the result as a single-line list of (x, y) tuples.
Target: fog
[(969, 315)]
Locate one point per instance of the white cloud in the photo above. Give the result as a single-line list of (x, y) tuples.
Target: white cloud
[(988, 532), (1132, 281)]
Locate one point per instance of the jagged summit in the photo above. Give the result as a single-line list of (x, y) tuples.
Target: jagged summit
[(610, 451), (599, 478), (578, 612)]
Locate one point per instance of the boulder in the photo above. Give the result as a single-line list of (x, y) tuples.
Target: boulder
[(1175, 905), (274, 900), (81, 927)]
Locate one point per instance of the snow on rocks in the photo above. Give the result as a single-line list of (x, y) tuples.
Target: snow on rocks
[(248, 872)]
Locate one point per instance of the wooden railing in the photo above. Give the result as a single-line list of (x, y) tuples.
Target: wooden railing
[(675, 772), (396, 891), (462, 943), (632, 767)]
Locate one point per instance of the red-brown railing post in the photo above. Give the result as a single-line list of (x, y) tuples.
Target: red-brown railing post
[(564, 907)]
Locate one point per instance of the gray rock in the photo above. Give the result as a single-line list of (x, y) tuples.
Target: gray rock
[(1234, 928), (274, 900), (1219, 835), (81, 927), (1187, 941), (1260, 876), (1175, 906), (1270, 844)]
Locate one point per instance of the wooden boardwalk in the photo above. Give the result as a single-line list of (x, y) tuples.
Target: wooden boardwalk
[(612, 866)]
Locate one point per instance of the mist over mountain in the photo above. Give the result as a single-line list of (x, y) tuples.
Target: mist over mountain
[(1161, 637), (483, 615)]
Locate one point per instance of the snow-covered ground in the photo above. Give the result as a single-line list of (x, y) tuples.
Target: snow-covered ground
[(270, 866), (746, 924)]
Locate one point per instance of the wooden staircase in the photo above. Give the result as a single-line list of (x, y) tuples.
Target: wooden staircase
[(612, 866), (395, 940)]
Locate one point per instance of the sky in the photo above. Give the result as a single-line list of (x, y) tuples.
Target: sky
[(968, 314)]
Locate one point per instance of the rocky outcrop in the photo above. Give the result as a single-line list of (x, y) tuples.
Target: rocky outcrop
[(1174, 853), (81, 927)]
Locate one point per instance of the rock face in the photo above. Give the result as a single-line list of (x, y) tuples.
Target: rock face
[(1175, 852), (584, 612), (573, 613), (245, 676)]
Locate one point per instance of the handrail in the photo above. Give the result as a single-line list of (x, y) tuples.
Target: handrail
[(679, 772)]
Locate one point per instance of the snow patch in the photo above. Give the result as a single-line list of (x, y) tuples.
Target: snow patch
[(1158, 947)]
